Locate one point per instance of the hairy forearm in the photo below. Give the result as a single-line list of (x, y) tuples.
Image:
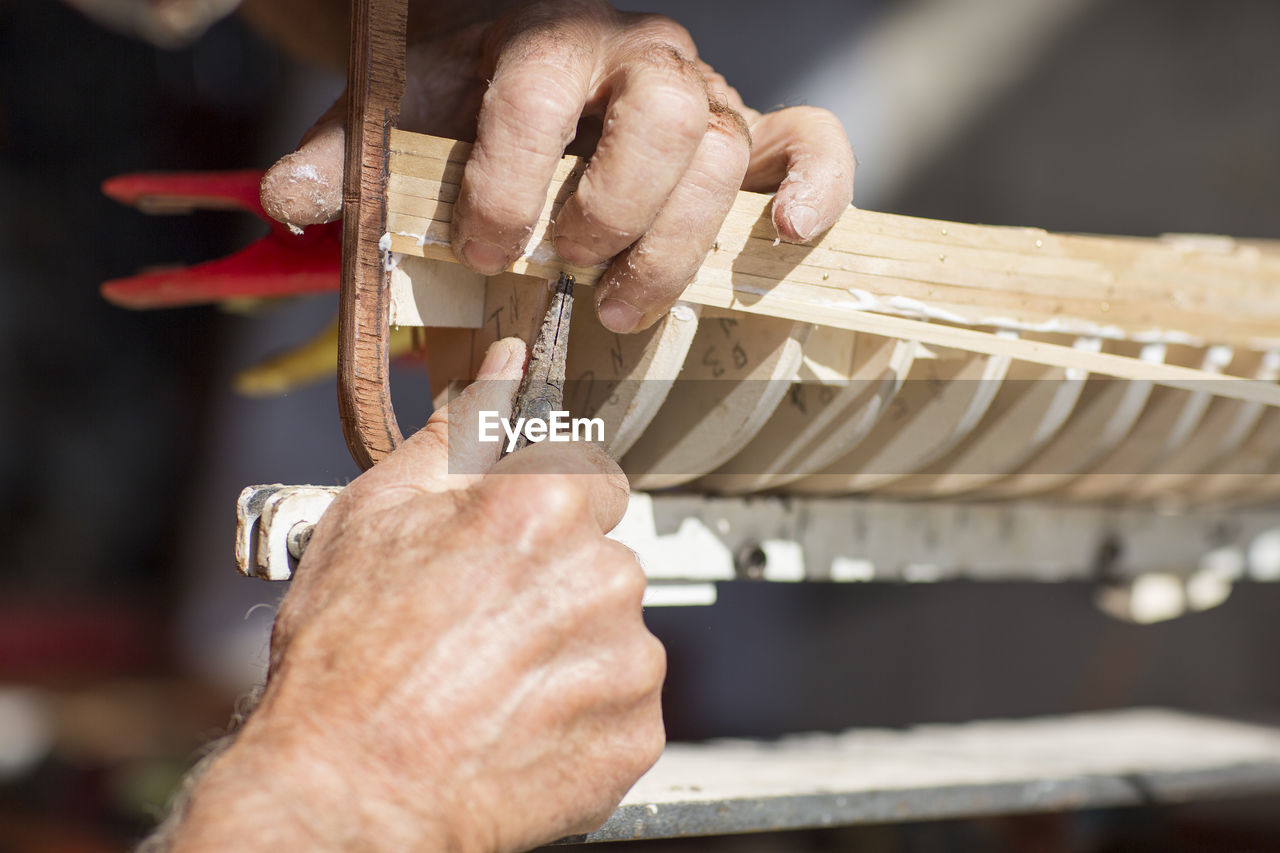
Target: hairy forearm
[(267, 789), (162, 839)]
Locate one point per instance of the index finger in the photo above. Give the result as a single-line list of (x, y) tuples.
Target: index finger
[(528, 117)]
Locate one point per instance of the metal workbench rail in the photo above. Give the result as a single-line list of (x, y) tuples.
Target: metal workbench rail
[(1097, 760)]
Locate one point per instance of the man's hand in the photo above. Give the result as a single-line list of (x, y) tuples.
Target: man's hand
[(672, 145), (460, 663)]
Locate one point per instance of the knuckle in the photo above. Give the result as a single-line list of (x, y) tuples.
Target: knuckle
[(534, 508), (561, 497), (664, 29), (550, 62), (655, 738), (604, 219), (548, 26), (648, 738), (624, 579), (650, 664), (728, 129), (536, 108), (670, 88)]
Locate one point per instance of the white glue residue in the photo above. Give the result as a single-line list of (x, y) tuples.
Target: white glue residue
[(422, 239), (682, 313), (542, 252), (914, 307), (390, 259), (1218, 356)]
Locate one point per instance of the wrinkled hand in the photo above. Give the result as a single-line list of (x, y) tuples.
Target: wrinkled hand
[(460, 663), (675, 143)]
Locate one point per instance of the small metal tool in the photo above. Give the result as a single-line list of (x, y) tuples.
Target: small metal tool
[(542, 389)]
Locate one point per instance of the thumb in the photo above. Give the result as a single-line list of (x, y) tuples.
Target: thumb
[(447, 453), (305, 187)]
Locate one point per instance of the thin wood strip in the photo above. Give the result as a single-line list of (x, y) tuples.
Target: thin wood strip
[(748, 234), (794, 302), (901, 296), (1038, 352), (1162, 313), (375, 84), (1215, 251), (1188, 259)]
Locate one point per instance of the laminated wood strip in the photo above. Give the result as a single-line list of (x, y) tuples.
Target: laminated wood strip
[(1017, 275)]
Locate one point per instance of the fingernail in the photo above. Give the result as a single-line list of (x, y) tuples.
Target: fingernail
[(575, 253), (804, 222), (497, 360), (618, 316), (484, 258)]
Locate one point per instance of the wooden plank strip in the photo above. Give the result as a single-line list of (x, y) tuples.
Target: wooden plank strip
[(748, 231), (936, 288), (1215, 251), (1249, 263), (1181, 288), (783, 304), (1248, 330)]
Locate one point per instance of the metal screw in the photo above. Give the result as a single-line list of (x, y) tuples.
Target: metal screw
[(750, 561), (299, 536)]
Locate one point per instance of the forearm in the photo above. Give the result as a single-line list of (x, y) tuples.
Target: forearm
[(271, 789)]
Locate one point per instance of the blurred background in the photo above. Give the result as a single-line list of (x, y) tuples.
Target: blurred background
[(125, 633)]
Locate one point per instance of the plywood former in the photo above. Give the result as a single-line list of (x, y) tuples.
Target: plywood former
[(739, 369), (832, 408), (1103, 416), (943, 399), (1168, 420), (1033, 404), (624, 379), (1077, 351), (1223, 431)]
